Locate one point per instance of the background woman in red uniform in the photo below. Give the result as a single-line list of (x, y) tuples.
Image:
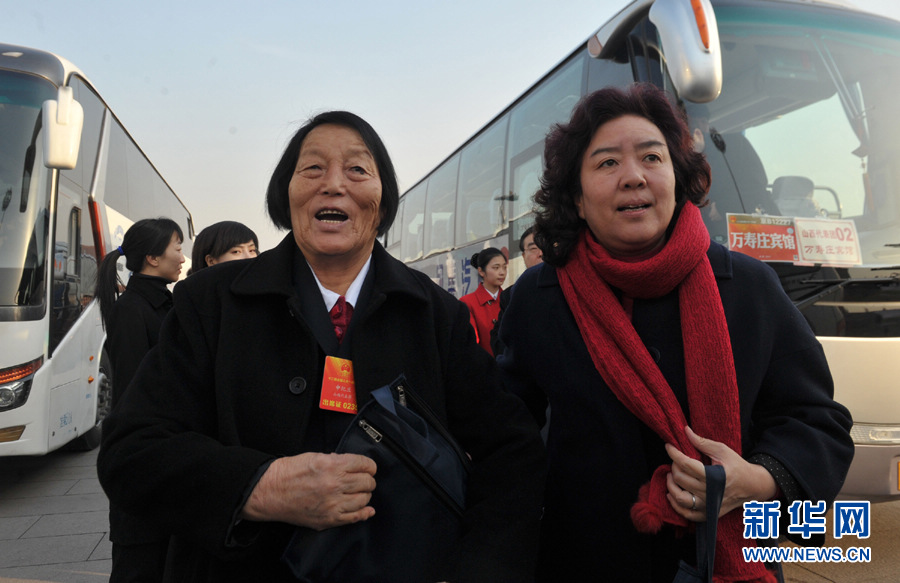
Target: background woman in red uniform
[(483, 303)]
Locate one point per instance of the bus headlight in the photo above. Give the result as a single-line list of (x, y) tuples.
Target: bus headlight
[(15, 384), (10, 393), (866, 434)]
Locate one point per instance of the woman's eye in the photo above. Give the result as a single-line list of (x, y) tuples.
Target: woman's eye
[(358, 170), (309, 169), (607, 163)]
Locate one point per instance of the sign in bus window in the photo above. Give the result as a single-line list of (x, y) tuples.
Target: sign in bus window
[(795, 240)]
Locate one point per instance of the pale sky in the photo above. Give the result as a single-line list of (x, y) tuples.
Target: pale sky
[(212, 91)]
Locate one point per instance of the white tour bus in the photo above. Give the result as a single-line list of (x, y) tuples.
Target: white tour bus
[(798, 102), (72, 180)]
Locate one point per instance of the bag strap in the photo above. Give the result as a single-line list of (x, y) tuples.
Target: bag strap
[(706, 532)]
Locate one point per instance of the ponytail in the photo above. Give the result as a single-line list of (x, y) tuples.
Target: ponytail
[(108, 284)]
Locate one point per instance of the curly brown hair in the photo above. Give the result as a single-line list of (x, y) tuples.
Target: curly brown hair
[(557, 224)]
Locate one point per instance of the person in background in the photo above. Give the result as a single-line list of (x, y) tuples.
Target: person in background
[(152, 251), (658, 351), (531, 255), (484, 307), (223, 241), (227, 432)]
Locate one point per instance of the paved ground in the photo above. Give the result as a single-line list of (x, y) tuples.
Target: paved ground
[(54, 525)]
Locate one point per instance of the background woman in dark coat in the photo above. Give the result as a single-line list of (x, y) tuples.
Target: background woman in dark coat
[(223, 241), (658, 351), (152, 250), (223, 437)]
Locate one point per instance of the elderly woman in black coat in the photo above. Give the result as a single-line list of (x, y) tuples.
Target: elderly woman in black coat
[(658, 352), (227, 433)]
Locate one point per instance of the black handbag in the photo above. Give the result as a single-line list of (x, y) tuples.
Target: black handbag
[(419, 498), (706, 532)]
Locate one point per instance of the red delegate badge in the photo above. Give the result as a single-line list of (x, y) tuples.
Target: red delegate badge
[(338, 386)]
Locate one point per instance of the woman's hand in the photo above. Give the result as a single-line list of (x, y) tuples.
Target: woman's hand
[(315, 490), (687, 481)]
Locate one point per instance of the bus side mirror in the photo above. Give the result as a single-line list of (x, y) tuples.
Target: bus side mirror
[(690, 41), (62, 121)]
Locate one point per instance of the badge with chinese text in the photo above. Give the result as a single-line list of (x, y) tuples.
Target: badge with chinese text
[(338, 386)]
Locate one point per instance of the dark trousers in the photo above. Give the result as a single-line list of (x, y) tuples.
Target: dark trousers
[(141, 563)]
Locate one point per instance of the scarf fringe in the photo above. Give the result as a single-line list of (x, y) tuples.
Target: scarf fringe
[(646, 517)]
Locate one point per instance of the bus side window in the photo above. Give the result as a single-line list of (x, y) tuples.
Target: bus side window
[(604, 73), (411, 236), (440, 207), (481, 202), (392, 241), (551, 102)]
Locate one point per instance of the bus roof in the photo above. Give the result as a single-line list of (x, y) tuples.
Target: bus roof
[(52, 67), (58, 70)]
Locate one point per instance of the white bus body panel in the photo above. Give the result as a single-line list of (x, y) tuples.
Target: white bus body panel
[(866, 374), (62, 403)]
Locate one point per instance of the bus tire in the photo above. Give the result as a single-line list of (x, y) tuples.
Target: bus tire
[(91, 439)]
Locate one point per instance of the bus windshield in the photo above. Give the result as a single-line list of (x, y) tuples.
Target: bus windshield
[(24, 190), (805, 128)]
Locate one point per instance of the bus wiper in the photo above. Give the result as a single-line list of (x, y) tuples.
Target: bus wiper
[(834, 284)]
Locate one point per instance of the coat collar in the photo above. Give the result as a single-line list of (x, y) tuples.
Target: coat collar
[(719, 260), (483, 297), (270, 273), (151, 288)]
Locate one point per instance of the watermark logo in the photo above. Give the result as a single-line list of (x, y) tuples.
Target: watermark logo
[(851, 519), (761, 519), (807, 518)]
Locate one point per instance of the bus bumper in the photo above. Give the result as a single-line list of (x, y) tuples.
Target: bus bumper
[(873, 474)]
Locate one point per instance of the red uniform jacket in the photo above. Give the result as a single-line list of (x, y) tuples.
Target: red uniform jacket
[(483, 313)]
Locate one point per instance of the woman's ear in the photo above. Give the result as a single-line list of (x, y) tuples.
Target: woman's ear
[(210, 260), (151, 260), (578, 199)]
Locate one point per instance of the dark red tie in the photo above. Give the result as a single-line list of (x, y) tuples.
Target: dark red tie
[(340, 317)]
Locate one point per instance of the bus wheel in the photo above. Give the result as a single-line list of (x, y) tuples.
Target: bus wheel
[(91, 439)]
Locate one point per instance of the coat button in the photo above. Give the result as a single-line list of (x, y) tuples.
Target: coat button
[(297, 385), (654, 352)]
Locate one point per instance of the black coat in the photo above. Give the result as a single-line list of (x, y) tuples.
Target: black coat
[(134, 323), (133, 329), (233, 384), (600, 454)]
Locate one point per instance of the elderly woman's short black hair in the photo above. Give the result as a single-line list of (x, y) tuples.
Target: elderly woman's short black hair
[(277, 203), (557, 223)]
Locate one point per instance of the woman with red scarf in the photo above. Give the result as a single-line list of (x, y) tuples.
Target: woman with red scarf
[(659, 351)]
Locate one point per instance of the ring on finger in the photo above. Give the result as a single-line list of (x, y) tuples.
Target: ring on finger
[(693, 502)]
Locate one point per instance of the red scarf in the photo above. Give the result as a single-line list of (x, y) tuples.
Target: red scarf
[(627, 367)]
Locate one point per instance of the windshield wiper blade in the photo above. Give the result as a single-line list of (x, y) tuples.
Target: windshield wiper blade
[(832, 285)]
